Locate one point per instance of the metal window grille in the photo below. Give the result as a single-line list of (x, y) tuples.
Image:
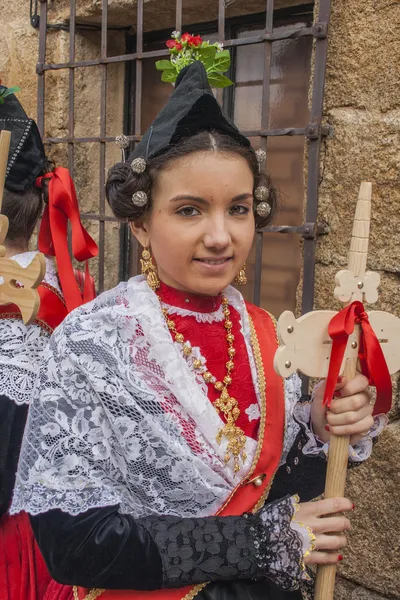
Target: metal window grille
[(314, 132)]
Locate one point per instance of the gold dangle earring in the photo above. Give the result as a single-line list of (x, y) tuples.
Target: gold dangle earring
[(149, 270), (241, 277)]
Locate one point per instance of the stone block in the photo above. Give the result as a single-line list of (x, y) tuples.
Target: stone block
[(372, 559)]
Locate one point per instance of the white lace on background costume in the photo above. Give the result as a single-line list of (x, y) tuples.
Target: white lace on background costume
[(21, 347)]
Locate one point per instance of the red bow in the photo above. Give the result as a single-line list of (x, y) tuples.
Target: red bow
[(53, 236), (370, 354)]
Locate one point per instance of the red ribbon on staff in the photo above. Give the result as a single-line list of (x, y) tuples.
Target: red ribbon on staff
[(370, 354), (53, 236)]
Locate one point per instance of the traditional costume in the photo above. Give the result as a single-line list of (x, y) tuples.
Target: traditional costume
[(23, 573), (137, 486)]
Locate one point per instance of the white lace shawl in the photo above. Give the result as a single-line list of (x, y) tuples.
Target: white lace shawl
[(21, 346), (119, 418)]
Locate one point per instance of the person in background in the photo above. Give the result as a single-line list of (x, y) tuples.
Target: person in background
[(34, 190)]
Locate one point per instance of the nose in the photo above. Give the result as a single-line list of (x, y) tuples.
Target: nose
[(217, 236)]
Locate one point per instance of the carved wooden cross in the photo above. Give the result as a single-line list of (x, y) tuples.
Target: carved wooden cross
[(305, 345), (19, 283)]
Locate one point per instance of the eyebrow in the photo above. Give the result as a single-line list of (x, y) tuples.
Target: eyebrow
[(238, 198)]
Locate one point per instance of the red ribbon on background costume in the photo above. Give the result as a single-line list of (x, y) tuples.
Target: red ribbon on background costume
[(370, 354), (53, 236)]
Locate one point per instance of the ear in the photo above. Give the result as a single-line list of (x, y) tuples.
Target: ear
[(139, 230)]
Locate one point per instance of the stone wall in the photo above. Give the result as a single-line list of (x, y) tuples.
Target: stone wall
[(362, 105)]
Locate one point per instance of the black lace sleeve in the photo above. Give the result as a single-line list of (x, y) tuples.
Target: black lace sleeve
[(104, 549), (301, 474)]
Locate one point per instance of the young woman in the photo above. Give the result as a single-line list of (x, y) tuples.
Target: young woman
[(163, 457), (30, 184)]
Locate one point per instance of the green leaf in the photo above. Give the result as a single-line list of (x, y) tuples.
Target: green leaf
[(222, 61), (164, 65), (169, 76), (218, 80), (207, 56)]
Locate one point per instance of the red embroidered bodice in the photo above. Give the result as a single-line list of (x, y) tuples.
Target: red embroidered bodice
[(210, 338)]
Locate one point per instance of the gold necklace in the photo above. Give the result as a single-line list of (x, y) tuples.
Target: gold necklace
[(225, 403)]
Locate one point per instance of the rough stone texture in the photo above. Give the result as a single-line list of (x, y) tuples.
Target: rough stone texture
[(345, 590), (363, 106), (18, 53), (373, 557)]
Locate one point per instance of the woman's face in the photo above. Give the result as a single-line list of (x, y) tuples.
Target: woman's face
[(201, 226)]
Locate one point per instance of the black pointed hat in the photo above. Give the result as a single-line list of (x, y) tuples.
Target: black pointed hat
[(26, 159), (191, 109)]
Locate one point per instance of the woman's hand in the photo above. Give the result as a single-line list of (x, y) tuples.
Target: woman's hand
[(350, 412), (329, 531)]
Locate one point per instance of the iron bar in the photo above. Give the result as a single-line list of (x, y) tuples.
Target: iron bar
[(314, 145), (103, 124), (258, 39), (178, 17), (287, 131), (269, 25), (96, 217), (42, 60), (71, 88)]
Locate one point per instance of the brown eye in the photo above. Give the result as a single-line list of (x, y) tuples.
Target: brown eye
[(188, 211), (239, 209)]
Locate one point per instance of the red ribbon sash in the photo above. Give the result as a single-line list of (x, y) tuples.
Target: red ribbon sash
[(53, 236), (370, 354)]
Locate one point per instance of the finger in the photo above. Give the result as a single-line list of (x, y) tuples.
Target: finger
[(341, 383), (358, 384), (331, 525), (355, 429), (330, 506), (340, 405), (349, 417), (330, 542), (322, 558)]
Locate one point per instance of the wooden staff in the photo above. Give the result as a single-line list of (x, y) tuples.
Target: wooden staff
[(19, 283), (338, 455), (306, 347)]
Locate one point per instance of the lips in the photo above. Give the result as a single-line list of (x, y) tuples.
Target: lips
[(214, 261)]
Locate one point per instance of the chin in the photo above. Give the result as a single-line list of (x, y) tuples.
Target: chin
[(210, 287)]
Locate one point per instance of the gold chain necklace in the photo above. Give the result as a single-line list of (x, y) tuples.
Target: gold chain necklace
[(225, 403)]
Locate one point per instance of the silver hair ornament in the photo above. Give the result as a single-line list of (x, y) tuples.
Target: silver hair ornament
[(122, 141), (263, 209), (261, 155), (261, 193), (138, 165), (139, 199)]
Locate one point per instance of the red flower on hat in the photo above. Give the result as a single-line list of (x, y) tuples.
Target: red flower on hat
[(195, 40), (171, 44)]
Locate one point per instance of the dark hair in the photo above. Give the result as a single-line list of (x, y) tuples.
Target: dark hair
[(23, 210), (122, 182)]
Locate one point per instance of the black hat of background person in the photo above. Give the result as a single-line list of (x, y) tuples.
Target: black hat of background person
[(191, 109), (26, 159)]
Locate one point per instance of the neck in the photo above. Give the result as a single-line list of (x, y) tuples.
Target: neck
[(13, 249)]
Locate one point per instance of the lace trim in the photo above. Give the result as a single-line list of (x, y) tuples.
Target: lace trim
[(316, 447), (22, 347), (134, 427), (212, 317), (282, 544), (305, 532)]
